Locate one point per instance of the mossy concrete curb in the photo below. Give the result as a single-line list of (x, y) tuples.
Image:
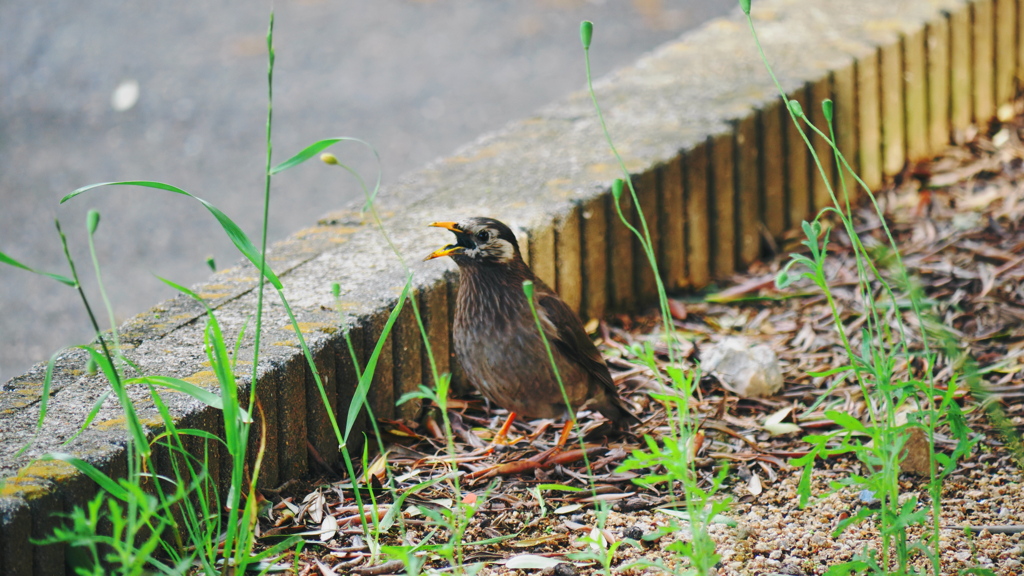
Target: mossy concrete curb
[(717, 166)]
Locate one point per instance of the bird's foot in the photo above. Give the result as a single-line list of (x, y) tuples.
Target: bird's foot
[(546, 459), (499, 443), (501, 438), (559, 447), (506, 469), (549, 458)]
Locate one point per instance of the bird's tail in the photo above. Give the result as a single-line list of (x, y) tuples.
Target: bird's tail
[(615, 409)]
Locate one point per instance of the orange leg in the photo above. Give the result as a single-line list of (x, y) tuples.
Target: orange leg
[(522, 466), (557, 448), (564, 436), (502, 436)]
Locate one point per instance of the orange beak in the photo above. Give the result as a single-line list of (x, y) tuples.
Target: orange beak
[(453, 226), (447, 250)]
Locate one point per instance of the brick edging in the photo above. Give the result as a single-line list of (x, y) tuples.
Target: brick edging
[(714, 158)]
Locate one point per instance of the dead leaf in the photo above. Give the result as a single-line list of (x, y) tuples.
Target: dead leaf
[(754, 485), (677, 309), (377, 469), (328, 528), (752, 286), (531, 562), (325, 570)]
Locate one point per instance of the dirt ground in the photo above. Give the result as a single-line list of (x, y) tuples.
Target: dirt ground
[(957, 221)]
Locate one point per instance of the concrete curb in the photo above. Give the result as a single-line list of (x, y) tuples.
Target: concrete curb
[(715, 161)]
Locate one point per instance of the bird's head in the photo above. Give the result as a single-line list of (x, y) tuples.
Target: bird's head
[(479, 242)]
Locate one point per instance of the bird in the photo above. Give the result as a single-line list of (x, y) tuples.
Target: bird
[(499, 346)]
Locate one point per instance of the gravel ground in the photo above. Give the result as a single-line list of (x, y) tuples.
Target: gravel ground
[(774, 536), (957, 220)]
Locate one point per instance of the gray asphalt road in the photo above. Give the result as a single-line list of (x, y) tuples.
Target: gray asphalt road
[(415, 78)]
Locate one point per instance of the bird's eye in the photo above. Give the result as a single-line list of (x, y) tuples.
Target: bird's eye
[(483, 236)]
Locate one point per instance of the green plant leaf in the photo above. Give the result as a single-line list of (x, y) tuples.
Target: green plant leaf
[(423, 392), (681, 514), (831, 372), (201, 394), (200, 434), (234, 232), (359, 397), (389, 518), (90, 417), (312, 150), (44, 400), (106, 482), (5, 259), (307, 153), (783, 279), (316, 148), (978, 571), (130, 417), (559, 487), (847, 568), (845, 420)]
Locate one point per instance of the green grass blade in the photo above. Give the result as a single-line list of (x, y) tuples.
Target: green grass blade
[(309, 152), (359, 398), (130, 417), (201, 394), (234, 232), (88, 419), (44, 401), (221, 363), (846, 421), (389, 518), (186, 291), (5, 259), (321, 145), (200, 434), (106, 482)]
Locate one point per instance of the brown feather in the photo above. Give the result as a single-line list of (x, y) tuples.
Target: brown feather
[(496, 339), (573, 341)]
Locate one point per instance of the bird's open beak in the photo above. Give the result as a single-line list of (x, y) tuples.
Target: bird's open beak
[(447, 250), (453, 226)]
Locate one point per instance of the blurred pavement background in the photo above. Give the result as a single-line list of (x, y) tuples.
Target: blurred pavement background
[(176, 92)]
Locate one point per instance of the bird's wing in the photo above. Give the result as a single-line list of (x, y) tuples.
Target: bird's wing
[(564, 329)]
